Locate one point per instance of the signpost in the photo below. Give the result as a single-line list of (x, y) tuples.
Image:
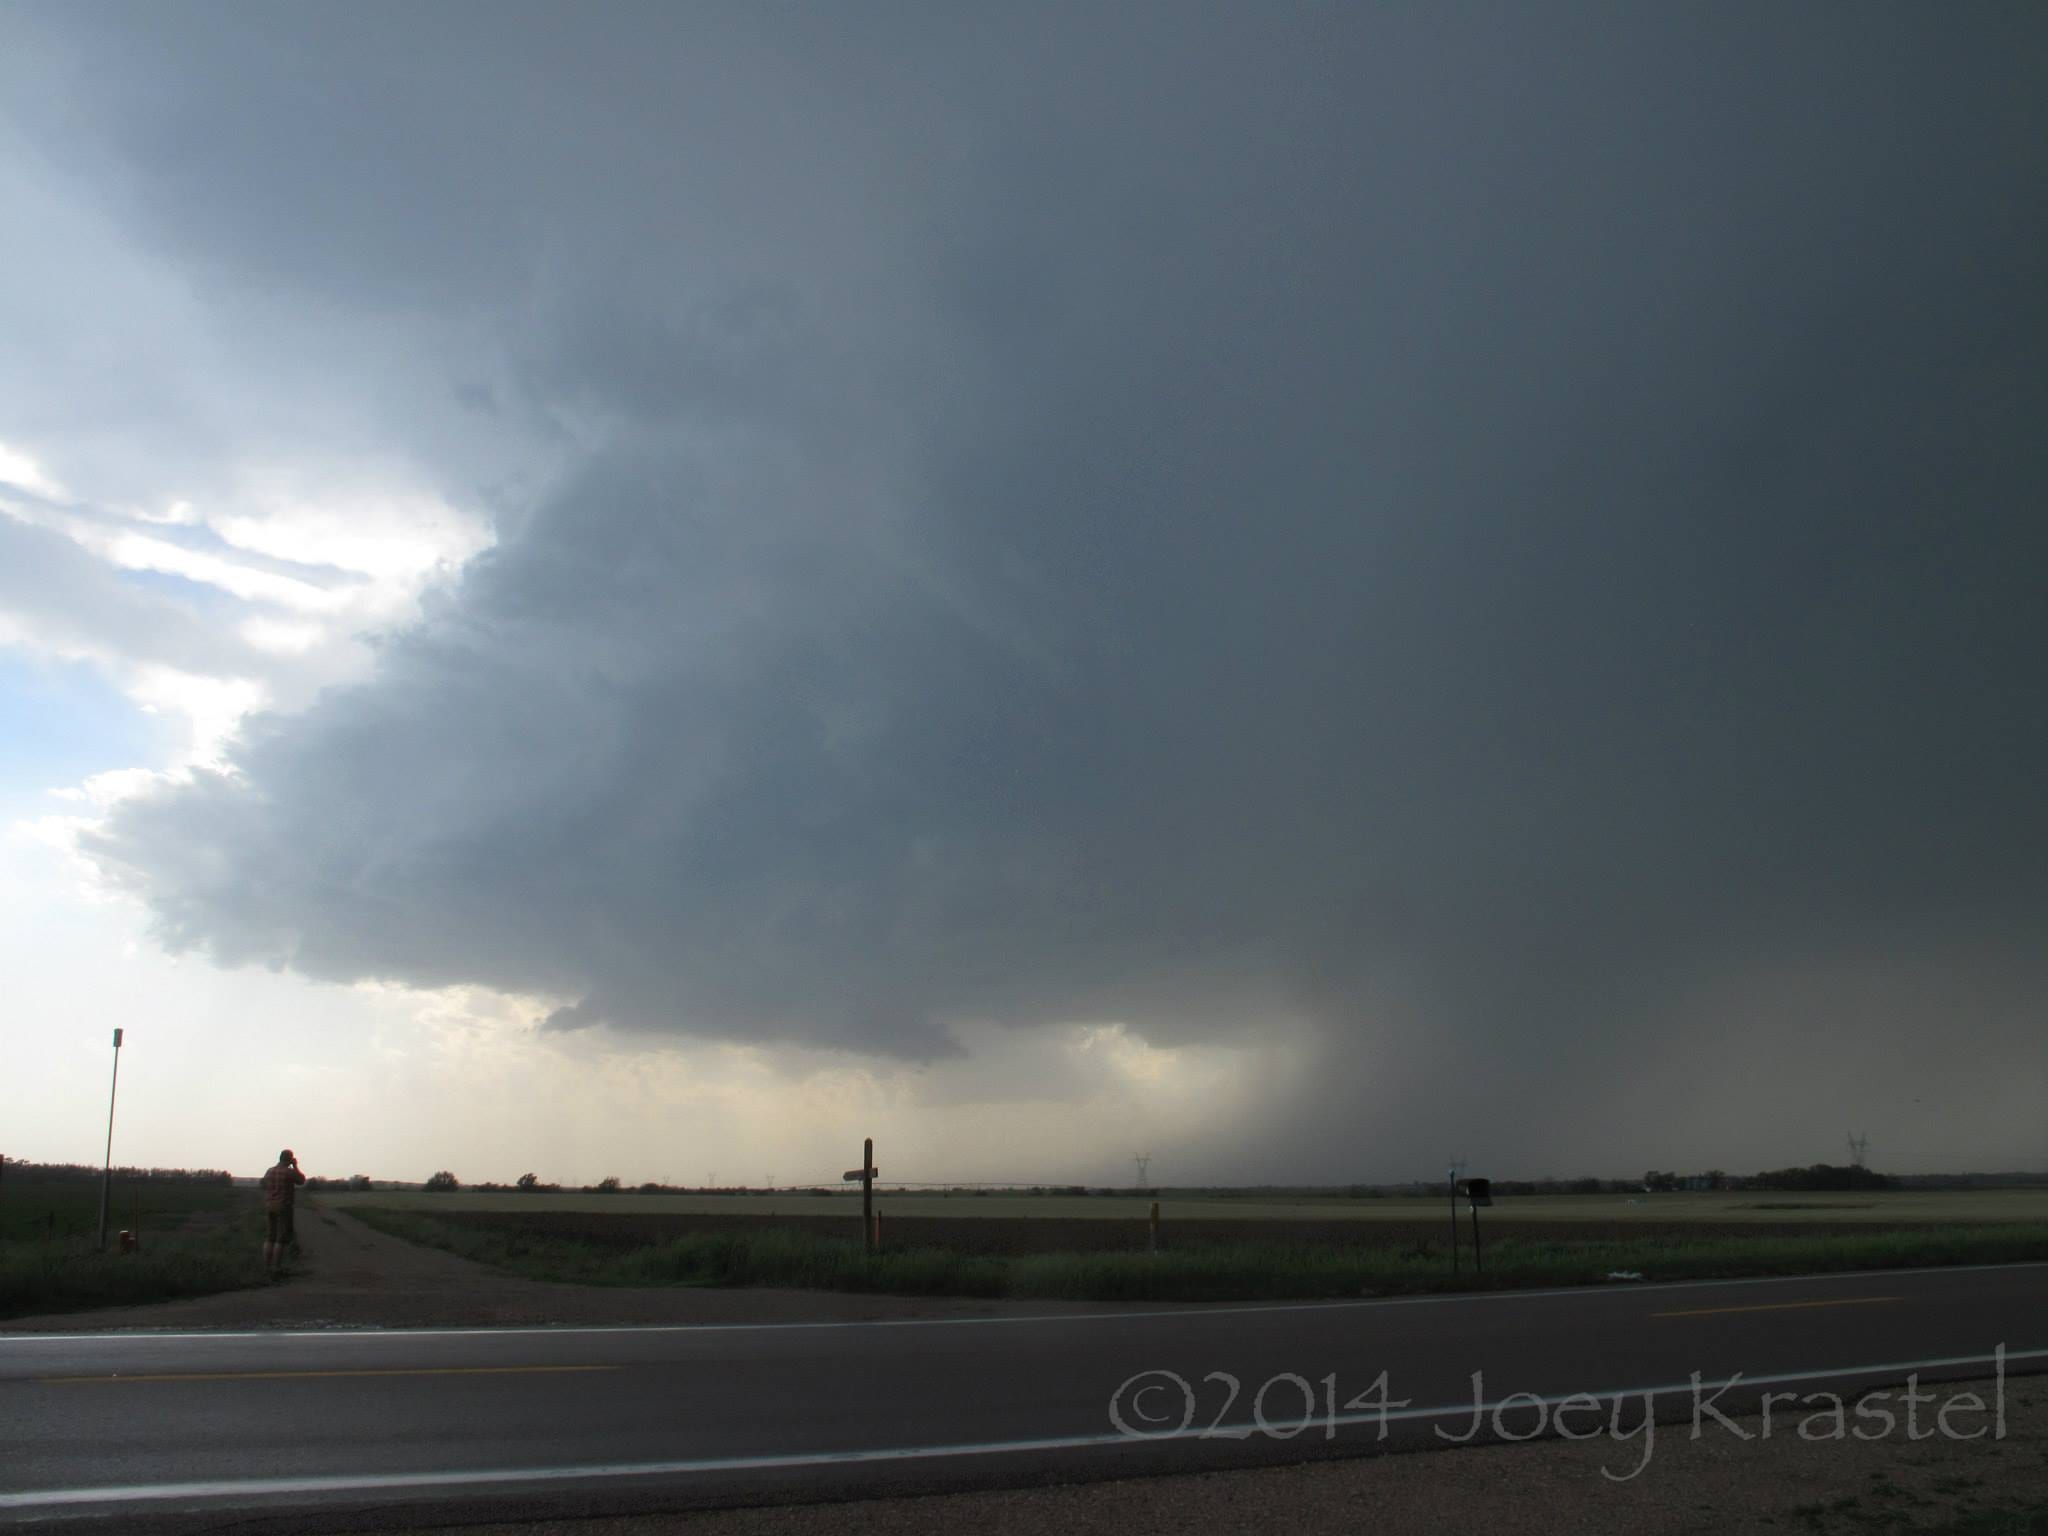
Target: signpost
[(1478, 1192), (866, 1173), (1452, 1175), (107, 1168)]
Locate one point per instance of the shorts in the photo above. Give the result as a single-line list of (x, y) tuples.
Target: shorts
[(277, 1226)]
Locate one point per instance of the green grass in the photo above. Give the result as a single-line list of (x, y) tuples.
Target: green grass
[(55, 1208), (1897, 1208), (1240, 1272), (195, 1240)]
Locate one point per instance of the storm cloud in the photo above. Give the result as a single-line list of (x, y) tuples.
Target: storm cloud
[(1507, 544)]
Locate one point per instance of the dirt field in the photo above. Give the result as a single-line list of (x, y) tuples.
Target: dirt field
[(1608, 1214)]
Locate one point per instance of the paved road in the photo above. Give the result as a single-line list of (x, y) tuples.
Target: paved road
[(171, 1429)]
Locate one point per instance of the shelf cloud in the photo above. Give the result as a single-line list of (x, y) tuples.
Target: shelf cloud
[(1507, 550)]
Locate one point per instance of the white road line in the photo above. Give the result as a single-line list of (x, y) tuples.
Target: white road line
[(369, 1482), (1189, 1310)]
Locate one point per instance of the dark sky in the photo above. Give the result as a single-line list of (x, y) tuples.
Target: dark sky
[(1501, 545)]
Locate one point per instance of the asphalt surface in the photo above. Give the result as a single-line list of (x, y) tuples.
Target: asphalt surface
[(363, 1428)]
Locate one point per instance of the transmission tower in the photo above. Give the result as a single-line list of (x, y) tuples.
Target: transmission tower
[(1144, 1162), (1859, 1148)]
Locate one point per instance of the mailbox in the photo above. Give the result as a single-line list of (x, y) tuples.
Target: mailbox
[(1478, 1191)]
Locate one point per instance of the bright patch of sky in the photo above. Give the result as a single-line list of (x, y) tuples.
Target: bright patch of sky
[(61, 721), (19, 470)]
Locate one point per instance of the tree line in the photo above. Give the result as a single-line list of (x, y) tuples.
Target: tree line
[(58, 1173)]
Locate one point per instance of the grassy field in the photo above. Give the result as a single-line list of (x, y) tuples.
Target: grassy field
[(1229, 1265), (195, 1239), (31, 1208), (1756, 1208), (1210, 1249)]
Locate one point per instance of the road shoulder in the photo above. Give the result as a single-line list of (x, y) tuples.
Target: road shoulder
[(1715, 1481)]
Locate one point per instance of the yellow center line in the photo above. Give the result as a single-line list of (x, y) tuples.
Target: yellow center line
[(1783, 1306), (420, 1370)]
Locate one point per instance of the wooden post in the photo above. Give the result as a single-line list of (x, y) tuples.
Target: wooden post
[(1454, 1221), (1152, 1246), (870, 1232)]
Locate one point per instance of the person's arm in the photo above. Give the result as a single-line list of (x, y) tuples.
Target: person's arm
[(298, 1173)]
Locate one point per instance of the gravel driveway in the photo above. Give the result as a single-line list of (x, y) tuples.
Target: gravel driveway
[(351, 1276)]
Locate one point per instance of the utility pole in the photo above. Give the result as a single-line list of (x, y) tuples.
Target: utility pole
[(107, 1167)]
